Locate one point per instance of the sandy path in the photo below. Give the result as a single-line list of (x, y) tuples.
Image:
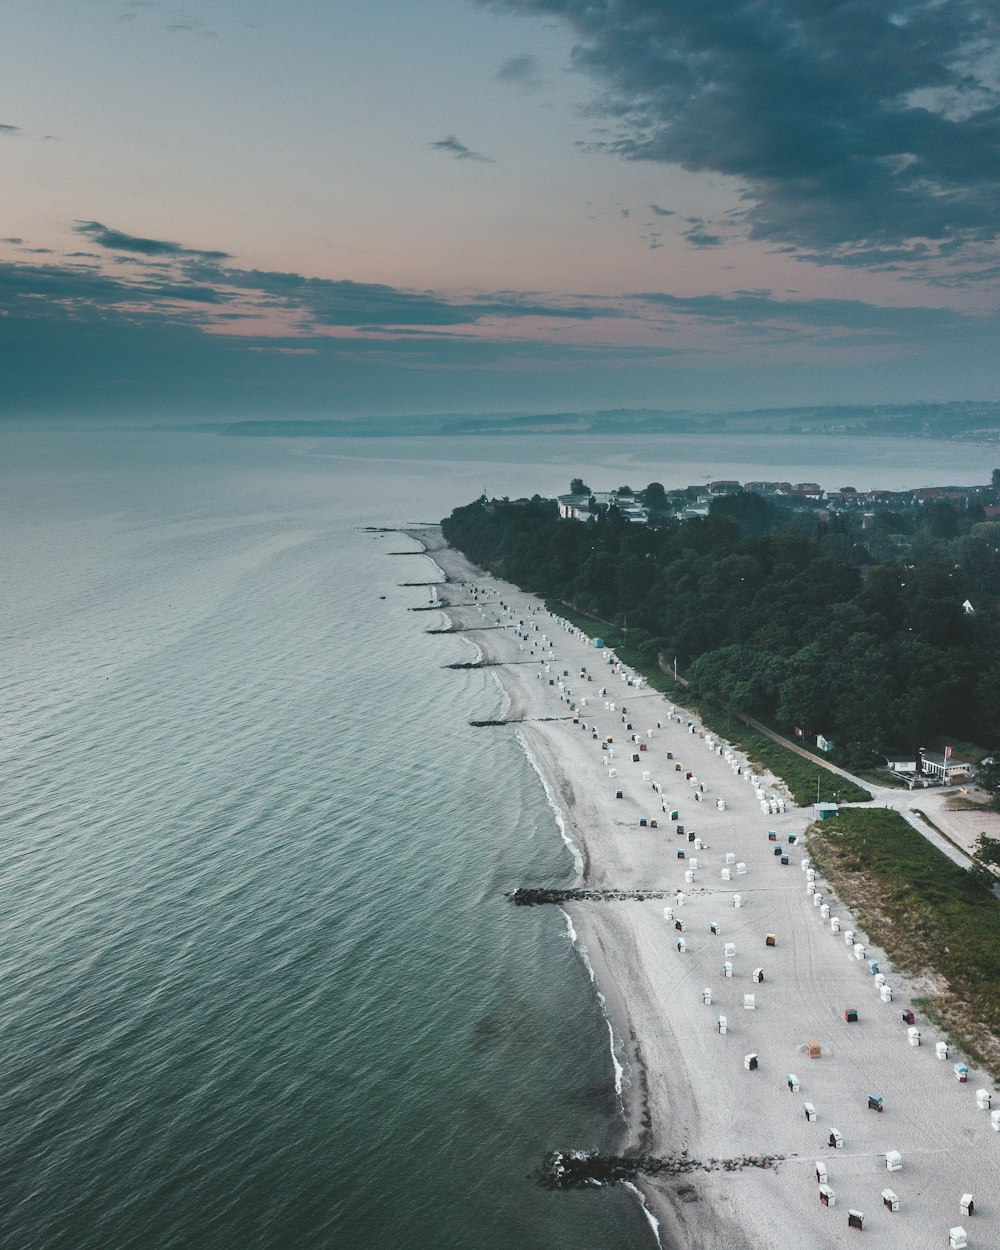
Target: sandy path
[(688, 1079)]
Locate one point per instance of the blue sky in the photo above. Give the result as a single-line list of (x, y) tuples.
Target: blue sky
[(329, 208)]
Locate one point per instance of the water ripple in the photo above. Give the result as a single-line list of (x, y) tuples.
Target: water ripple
[(252, 937)]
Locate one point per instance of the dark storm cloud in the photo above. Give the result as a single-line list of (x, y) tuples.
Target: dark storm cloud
[(138, 342), (6, 129), (98, 352), (209, 291), (118, 241), (698, 235), (41, 291), (204, 294), (701, 240), (458, 150), (191, 28), (850, 125), (760, 310), (340, 302), (662, 212), (331, 302), (523, 70)]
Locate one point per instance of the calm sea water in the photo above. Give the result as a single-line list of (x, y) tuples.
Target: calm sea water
[(259, 987)]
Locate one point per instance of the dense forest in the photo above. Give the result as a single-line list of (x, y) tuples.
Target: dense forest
[(767, 619)]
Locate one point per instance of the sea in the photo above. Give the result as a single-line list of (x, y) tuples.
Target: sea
[(260, 985)]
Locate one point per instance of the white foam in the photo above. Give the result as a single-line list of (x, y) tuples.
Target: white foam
[(504, 698), (621, 1075), (475, 646), (550, 795), (654, 1223), (581, 950), (619, 1069)]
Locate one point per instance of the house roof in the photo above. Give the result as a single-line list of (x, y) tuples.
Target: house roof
[(932, 757)]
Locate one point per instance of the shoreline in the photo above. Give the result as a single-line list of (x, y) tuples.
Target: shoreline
[(688, 1090)]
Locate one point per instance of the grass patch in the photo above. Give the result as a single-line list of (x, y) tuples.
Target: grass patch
[(936, 920), (878, 777), (800, 775)]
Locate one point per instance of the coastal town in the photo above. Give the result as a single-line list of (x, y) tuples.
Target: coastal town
[(861, 507)]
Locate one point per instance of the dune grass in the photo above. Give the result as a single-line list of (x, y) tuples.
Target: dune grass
[(937, 921)]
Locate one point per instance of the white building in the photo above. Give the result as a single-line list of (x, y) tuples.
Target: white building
[(945, 768), (577, 507)]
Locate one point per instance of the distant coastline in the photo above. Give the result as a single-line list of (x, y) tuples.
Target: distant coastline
[(965, 421)]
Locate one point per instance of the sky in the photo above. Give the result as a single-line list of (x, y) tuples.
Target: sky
[(325, 208)]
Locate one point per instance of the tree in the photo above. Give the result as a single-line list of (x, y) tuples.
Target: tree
[(988, 851), (988, 775), (943, 521), (579, 487), (892, 523), (986, 705), (654, 497), (751, 511), (773, 623)]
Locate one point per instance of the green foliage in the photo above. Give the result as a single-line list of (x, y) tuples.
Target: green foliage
[(927, 913), (654, 497), (988, 775), (988, 850), (579, 487), (750, 511), (774, 623), (892, 523), (943, 520)]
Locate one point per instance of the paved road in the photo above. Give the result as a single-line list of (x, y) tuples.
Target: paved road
[(906, 802)]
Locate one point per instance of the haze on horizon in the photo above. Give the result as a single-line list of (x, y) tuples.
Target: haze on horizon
[(322, 209)]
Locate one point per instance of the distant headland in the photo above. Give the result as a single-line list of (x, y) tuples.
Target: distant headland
[(977, 421)]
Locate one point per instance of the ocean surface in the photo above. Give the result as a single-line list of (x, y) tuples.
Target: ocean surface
[(259, 985)]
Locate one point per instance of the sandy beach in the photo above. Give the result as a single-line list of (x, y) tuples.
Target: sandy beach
[(688, 1088)]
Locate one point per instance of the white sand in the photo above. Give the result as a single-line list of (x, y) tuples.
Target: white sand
[(688, 1078)]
